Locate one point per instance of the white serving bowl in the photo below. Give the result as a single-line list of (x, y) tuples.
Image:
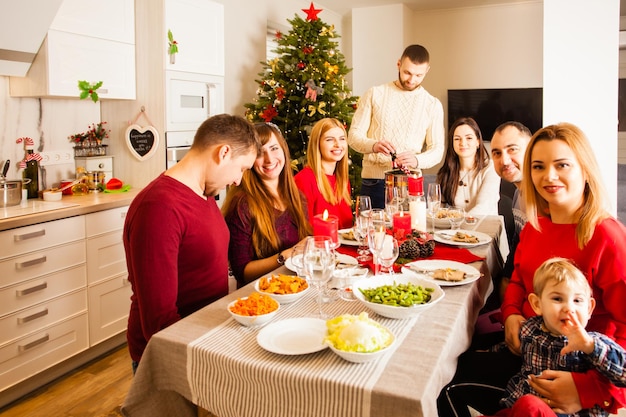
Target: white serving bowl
[(52, 195), (360, 357), (282, 298), (395, 312), (258, 320)]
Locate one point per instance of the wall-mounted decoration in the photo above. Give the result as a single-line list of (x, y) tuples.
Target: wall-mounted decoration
[(173, 47), (142, 141), (89, 90)]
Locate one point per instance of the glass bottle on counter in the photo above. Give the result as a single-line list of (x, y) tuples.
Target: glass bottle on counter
[(81, 188), (31, 172)]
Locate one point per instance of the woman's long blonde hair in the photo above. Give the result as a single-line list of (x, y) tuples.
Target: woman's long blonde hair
[(314, 160), (595, 198), (262, 201)]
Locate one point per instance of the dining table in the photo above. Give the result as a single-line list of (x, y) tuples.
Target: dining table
[(208, 361)]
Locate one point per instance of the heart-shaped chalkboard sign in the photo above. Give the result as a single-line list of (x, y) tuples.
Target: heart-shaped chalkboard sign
[(142, 141)]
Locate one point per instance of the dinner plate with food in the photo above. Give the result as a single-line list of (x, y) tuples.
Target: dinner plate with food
[(347, 237), (442, 218), (468, 238), (444, 273)]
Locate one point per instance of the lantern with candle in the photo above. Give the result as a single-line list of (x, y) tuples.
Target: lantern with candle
[(327, 225)]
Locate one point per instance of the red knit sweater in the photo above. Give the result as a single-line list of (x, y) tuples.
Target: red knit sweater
[(176, 246), (305, 179)]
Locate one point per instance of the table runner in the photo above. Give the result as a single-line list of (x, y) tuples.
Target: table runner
[(223, 385)]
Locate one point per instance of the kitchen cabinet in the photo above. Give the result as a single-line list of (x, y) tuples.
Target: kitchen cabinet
[(88, 40), (198, 28), (107, 279), (43, 297)]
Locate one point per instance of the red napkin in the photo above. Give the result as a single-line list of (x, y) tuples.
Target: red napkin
[(443, 252)]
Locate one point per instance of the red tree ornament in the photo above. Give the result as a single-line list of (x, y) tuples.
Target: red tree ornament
[(311, 12)]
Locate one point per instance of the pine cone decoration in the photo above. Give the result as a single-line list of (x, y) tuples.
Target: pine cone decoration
[(417, 245)]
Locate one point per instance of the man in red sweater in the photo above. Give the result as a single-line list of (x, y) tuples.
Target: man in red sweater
[(175, 237)]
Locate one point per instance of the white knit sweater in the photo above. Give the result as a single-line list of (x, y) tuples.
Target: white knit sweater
[(482, 192), (410, 120)]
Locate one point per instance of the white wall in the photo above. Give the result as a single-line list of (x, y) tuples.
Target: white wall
[(581, 67), (379, 35)]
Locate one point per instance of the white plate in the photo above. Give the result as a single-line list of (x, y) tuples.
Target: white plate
[(445, 236), (347, 242), (297, 336), (341, 258), (430, 265)]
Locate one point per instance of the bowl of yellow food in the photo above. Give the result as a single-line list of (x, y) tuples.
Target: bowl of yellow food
[(357, 338), (397, 296), (283, 288), (254, 310)]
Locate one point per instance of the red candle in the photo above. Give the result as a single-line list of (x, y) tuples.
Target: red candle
[(402, 220), (326, 225)]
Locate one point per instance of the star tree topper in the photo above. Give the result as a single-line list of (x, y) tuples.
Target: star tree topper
[(311, 12)]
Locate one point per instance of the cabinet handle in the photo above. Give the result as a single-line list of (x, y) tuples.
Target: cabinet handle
[(123, 214), (34, 343), (22, 320), (103, 91), (32, 262), (18, 238), (21, 293), (100, 165)]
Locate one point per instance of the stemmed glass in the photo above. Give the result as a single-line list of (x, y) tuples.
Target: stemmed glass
[(297, 259), (319, 263), (376, 236), (456, 215), (361, 225), (392, 201), (389, 253), (434, 201)]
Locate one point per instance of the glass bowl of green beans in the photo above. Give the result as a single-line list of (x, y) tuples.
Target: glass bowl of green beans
[(397, 296)]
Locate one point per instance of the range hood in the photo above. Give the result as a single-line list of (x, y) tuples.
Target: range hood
[(23, 27)]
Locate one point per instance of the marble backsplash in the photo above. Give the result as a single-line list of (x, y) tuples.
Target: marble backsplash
[(48, 122)]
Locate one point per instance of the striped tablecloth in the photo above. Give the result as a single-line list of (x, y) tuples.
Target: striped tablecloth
[(210, 360), (282, 385)]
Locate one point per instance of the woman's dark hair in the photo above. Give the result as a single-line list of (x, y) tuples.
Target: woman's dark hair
[(448, 174)]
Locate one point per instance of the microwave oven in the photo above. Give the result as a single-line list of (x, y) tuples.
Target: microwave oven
[(191, 98)]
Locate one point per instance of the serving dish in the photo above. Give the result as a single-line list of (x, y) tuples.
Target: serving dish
[(252, 320), (397, 312), (446, 236), (282, 298), (426, 267)]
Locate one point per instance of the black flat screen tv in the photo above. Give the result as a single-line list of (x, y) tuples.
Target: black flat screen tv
[(492, 106)]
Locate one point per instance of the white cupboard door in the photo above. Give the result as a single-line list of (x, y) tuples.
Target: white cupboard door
[(198, 28), (74, 57), (113, 20), (109, 307)]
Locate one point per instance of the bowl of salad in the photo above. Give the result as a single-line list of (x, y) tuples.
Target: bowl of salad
[(357, 338)]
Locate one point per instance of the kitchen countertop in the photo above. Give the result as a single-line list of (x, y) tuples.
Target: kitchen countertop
[(38, 211)]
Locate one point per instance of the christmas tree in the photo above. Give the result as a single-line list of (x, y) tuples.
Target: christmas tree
[(305, 83)]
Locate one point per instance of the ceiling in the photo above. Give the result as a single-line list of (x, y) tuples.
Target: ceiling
[(343, 7)]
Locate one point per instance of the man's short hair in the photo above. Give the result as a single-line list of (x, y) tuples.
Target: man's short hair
[(417, 54)]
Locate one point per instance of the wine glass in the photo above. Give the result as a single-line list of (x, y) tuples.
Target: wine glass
[(376, 239), (392, 201), (456, 215), (363, 212), (297, 259), (434, 201), (319, 263), (389, 253)]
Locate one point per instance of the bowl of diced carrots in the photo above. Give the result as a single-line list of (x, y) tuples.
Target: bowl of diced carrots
[(254, 310), (281, 287)]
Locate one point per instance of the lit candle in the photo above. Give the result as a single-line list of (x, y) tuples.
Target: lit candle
[(417, 209), (326, 225), (402, 220)]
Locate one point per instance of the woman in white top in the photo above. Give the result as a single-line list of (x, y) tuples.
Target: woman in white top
[(467, 177)]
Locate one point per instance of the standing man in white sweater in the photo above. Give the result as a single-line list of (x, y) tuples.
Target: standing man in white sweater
[(399, 119)]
